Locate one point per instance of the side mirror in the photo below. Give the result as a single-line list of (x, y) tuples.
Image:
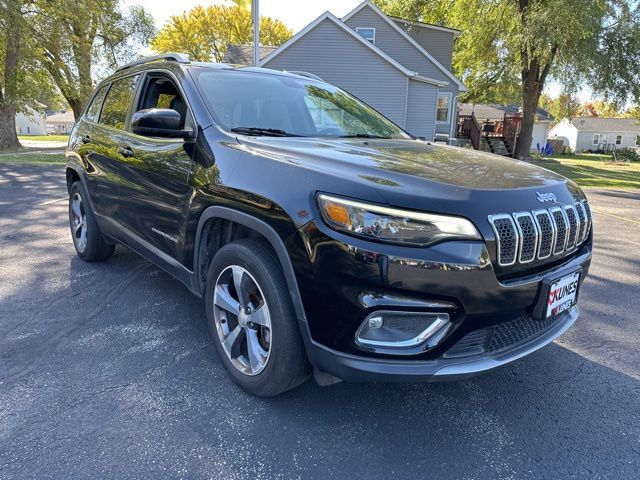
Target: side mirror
[(159, 122)]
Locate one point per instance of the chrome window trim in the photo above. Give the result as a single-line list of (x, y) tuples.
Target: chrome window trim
[(500, 216), (566, 229), (575, 212), (554, 231), (517, 216)]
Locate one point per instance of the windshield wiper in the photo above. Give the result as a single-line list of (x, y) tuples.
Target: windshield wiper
[(362, 135), (272, 132)]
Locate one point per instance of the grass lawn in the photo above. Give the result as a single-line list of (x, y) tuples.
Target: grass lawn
[(589, 170), (24, 156), (44, 138)]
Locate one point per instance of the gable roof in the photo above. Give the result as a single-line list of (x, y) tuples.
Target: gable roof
[(407, 37), (600, 124), (243, 54), (62, 117), (330, 17), (494, 111), (456, 33)]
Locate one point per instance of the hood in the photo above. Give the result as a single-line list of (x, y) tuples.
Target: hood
[(394, 162), (419, 175)]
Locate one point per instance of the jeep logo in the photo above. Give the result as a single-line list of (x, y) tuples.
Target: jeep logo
[(546, 197)]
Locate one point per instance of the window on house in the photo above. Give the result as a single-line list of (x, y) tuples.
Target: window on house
[(638, 140), (443, 107), (618, 139), (596, 138), (367, 33)]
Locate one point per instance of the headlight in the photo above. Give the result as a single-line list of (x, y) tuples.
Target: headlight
[(393, 225)]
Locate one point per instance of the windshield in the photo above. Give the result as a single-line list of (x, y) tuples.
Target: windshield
[(278, 105)]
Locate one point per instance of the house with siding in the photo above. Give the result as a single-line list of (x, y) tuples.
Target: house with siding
[(597, 133), (400, 68)]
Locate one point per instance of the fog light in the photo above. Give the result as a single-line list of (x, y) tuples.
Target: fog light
[(376, 322), (402, 330)]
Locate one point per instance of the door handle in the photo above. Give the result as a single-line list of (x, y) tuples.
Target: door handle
[(86, 139), (126, 152)]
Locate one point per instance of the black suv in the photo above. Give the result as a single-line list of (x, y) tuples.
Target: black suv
[(322, 237)]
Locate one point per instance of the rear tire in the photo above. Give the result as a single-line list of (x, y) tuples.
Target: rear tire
[(252, 320), (85, 232)]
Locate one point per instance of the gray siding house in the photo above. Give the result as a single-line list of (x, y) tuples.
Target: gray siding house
[(394, 65)]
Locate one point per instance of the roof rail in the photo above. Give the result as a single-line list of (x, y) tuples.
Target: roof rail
[(305, 74), (169, 57)]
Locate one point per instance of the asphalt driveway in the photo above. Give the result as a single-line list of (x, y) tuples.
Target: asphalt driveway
[(106, 371)]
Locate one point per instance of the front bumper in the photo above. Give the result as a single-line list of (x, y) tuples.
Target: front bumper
[(361, 369), (343, 279)]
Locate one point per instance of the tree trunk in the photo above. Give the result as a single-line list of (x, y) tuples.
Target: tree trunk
[(8, 136), (530, 97)]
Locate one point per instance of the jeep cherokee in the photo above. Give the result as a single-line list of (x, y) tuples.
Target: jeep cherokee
[(324, 238)]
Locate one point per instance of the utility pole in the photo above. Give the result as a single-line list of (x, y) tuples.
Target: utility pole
[(256, 33)]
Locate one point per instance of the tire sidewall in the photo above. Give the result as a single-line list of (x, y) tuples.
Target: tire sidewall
[(281, 313)]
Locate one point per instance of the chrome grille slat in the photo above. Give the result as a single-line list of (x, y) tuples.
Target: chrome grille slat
[(547, 232), (561, 224), (523, 237), (587, 213), (574, 226), (528, 236), (582, 217), (506, 238)]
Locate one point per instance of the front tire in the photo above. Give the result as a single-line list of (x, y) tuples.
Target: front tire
[(85, 232), (252, 321)]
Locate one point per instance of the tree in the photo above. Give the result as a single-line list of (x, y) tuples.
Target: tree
[(521, 44), (78, 37), (10, 56), (205, 32), (564, 105)]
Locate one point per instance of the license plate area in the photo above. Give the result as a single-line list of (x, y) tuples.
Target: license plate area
[(557, 295)]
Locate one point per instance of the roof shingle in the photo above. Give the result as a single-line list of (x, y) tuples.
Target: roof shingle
[(243, 54), (600, 124)]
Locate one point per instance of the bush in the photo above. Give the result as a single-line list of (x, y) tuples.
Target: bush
[(627, 155)]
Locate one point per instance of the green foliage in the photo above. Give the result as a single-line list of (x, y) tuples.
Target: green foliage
[(563, 106), (628, 155), (78, 37), (205, 32)]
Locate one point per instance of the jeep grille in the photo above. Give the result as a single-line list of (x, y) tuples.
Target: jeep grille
[(523, 237)]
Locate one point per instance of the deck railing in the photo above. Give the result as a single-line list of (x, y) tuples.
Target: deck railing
[(468, 127)]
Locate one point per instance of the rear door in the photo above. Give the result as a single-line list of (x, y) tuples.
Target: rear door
[(101, 140), (154, 174)]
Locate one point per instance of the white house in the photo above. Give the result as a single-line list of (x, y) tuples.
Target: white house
[(60, 123), (597, 133), (30, 122)]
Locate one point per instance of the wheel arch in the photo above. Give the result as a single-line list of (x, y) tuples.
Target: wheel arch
[(264, 230)]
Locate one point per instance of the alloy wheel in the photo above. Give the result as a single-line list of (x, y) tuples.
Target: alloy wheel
[(78, 222), (242, 320)]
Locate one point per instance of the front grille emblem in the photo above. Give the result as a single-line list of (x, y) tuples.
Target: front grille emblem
[(546, 197)]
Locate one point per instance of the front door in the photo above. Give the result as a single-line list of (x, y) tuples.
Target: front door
[(154, 174)]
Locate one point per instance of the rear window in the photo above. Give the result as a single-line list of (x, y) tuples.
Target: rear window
[(94, 109), (116, 105)]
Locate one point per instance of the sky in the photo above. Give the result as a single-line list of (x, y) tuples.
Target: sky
[(296, 14)]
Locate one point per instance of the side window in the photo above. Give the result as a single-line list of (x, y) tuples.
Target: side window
[(94, 109), (116, 105), (161, 92)]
